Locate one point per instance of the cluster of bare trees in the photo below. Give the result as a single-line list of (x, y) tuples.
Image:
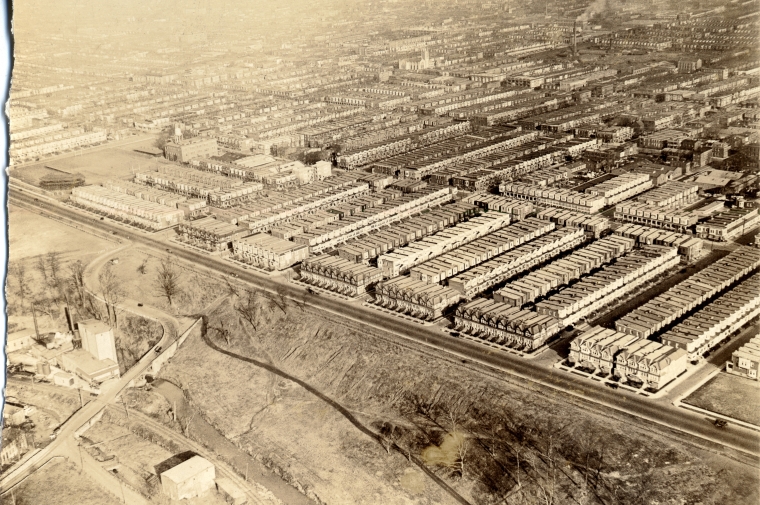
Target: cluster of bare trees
[(254, 306), (43, 296), (516, 459)]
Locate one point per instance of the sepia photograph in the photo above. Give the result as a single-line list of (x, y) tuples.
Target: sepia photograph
[(381, 252)]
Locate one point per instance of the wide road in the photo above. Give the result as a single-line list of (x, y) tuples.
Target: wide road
[(680, 420)]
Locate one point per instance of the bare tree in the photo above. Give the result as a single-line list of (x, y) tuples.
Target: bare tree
[(76, 278), (22, 286), (54, 267), (41, 266), (141, 268), (250, 308), (232, 290), (185, 423), (111, 290), (167, 280)]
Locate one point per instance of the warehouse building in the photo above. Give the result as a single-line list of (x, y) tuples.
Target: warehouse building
[(269, 252), (706, 328), (676, 302), (184, 150)]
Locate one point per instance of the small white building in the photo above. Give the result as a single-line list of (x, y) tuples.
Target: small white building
[(98, 339), (189, 479)]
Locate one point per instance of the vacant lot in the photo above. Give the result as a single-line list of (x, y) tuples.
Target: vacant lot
[(195, 290), (59, 482), (30, 235), (513, 440), (731, 396), (116, 162)]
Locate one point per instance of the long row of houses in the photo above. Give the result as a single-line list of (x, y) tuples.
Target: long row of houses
[(678, 301)]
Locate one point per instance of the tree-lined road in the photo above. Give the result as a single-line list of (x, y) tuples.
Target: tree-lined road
[(673, 419)]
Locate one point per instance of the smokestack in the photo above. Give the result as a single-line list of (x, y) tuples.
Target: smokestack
[(575, 48)]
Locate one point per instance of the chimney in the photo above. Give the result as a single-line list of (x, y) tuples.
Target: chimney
[(575, 48)]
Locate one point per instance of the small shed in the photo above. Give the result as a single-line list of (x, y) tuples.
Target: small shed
[(189, 479), (63, 379), (231, 492)]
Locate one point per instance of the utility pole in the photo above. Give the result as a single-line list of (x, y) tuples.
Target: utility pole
[(34, 316), (81, 402), (246, 471), (126, 410)]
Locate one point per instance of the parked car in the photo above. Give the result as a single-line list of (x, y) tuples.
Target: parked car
[(720, 423), (158, 349), (139, 304)]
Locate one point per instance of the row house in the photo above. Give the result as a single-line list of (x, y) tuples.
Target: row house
[(418, 299), (726, 226), (269, 252), (621, 188), (210, 234), (706, 328), (406, 231), (677, 301), (340, 275), (593, 225), (479, 251), (521, 259), (745, 361), (340, 232), (402, 259), (657, 217), (127, 207), (612, 282), (558, 273), (689, 247), (503, 324)]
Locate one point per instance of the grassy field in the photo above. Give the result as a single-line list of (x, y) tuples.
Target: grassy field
[(59, 482), (510, 432), (731, 396)]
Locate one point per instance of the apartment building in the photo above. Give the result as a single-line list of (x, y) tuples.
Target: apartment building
[(184, 150)]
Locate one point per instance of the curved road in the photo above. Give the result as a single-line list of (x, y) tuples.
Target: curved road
[(666, 416)]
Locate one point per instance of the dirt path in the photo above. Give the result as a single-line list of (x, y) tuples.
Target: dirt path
[(342, 410)]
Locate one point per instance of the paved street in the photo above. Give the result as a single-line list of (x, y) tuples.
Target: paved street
[(668, 417)]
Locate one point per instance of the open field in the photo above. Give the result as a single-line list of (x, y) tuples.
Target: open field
[(515, 440), (97, 166), (196, 290), (30, 235), (731, 396), (60, 483)]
